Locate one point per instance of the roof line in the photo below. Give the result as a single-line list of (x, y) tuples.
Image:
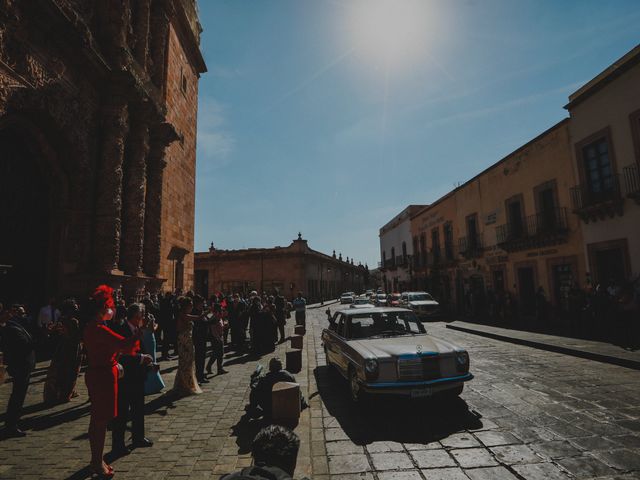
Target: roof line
[(491, 167)]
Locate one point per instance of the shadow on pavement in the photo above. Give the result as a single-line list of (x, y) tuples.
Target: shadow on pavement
[(44, 422), (245, 431), (161, 404), (392, 419)]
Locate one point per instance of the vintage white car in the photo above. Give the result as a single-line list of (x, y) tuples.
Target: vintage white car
[(423, 304), (384, 350)]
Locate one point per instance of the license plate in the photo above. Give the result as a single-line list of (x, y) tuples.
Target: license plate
[(422, 393)]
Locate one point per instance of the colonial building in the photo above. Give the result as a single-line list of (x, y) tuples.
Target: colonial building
[(507, 229), (98, 104), (605, 140), (396, 250), (288, 269)]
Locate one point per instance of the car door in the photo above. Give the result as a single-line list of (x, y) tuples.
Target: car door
[(332, 340), (340, 343)]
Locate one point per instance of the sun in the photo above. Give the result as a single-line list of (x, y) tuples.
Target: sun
[(389, 33)]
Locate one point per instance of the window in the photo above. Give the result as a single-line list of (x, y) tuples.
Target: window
[(393, 256), (515, 221), (435, 244), (448, 240), (597, 167), (546, 200), (389, 324), (384, 259), (423, 249), (404, 252), (472, 232), (183, 82)]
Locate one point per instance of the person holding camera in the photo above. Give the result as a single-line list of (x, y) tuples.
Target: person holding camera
[(131, 385), (153, 382)]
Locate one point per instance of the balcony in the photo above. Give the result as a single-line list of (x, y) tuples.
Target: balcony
[(535, 231), (631, 176), (591, 205), (471, 246)]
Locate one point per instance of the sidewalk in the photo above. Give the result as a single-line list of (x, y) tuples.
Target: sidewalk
[(592, 350)]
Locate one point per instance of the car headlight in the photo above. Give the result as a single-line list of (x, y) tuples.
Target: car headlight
[(371, 368), (462, 361)]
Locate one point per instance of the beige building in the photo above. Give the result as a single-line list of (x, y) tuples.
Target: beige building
[(288, 269), (605, 139), (507, 229)]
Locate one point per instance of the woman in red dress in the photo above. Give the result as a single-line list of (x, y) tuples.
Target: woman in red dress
[(103, 346)]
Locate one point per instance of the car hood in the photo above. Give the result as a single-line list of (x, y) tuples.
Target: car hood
[(419, 303), (403, 345)]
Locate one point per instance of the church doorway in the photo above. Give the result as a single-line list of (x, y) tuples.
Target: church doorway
[(25, 221)]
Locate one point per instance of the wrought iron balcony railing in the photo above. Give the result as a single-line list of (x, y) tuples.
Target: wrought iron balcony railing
[(631, 176), (584, 196), (534, 230), (471, 246)]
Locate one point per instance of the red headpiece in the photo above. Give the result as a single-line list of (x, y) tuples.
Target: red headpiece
[(104, 293)]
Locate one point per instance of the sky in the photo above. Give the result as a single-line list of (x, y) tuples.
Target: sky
[(328, 117)]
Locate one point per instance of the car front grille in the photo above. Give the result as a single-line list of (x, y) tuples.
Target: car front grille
[(416, 369)]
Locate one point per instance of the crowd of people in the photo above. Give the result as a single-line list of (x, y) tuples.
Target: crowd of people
[(118, 341), (607, 312)]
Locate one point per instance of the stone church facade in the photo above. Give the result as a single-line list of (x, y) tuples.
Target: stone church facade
[(98, 107)]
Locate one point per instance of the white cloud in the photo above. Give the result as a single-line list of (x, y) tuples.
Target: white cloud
[(215, 141)]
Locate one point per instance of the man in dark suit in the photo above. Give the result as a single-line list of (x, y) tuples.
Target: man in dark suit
[(20, 358), (131, 386)]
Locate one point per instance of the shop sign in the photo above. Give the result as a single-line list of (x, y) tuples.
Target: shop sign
[(491, 217)]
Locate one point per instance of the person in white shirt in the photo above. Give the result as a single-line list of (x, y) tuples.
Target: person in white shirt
[(49, 314), (300, 307)]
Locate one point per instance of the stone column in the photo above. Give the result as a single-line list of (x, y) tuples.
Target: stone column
[(114, 126), (141, 31), (159, 31), (161, 136), (135, 185)]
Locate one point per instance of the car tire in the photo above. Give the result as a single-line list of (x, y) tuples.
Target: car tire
[(355, 391)]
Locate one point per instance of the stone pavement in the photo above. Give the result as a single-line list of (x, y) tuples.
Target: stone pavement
[(599, 351), (528, 414)]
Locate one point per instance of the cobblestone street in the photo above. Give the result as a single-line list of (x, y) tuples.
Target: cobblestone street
[(528, 414)]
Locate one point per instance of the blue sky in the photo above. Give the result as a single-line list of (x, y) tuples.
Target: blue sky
[(330, 116)]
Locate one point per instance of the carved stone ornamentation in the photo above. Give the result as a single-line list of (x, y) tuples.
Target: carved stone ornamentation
[(109, 191), (134, 191)]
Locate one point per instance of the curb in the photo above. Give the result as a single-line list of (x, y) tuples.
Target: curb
[(598, 357)]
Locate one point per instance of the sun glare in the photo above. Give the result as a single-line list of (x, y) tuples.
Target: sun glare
[(389, 33)]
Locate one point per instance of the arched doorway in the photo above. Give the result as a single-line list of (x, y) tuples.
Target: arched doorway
[(26, 220)]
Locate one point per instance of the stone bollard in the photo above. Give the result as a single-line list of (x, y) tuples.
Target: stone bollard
[(285, 404), (296, 341), (294, 360), (299, 330)]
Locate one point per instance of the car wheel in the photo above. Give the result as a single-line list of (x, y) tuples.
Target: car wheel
[(355, 388)]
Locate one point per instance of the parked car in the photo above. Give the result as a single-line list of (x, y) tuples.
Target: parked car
[(360, 302), (393, 300), (387, 351), (422, 304), (380, 300), (346, 298), (368, 293)]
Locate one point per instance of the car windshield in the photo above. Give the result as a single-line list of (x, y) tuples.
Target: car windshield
[(419, 297), (382, 297), (395, 296), (346, 295), (384, 324), (362, 301)]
